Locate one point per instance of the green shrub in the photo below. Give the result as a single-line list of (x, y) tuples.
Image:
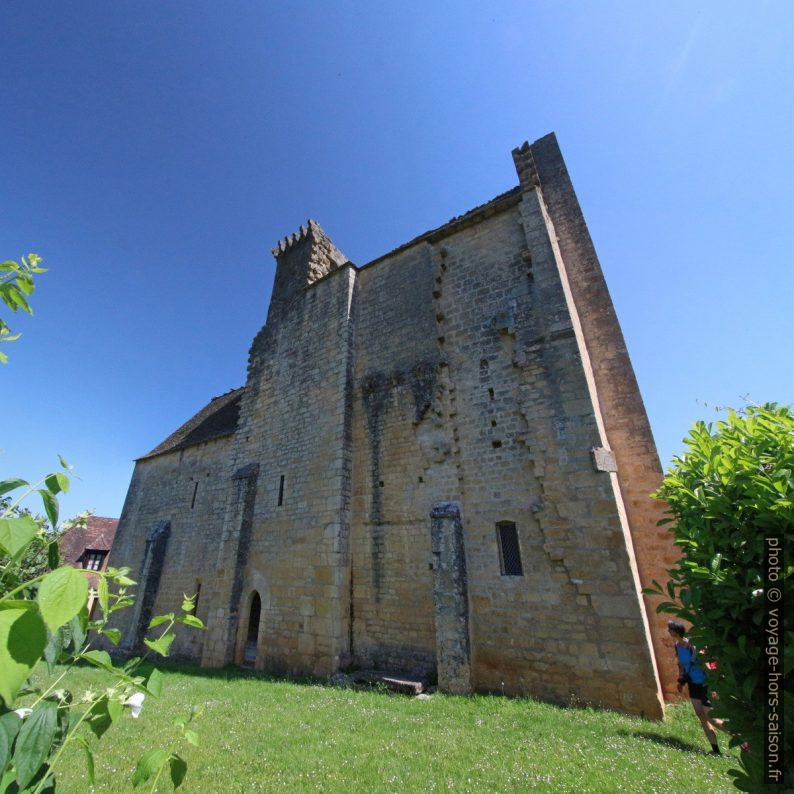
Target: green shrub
[(732, 488)]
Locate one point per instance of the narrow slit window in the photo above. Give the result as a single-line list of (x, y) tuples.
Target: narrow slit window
[(281, 491), (509, 551), (195, 490)]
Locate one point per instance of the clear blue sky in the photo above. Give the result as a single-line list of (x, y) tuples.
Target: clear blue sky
[(153, 152)]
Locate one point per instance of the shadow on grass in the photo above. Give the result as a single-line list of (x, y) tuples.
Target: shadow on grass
[(228, 673), (667, 741), (235, 673)]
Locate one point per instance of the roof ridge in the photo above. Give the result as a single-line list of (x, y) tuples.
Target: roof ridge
[(226, 393), (216, 419)]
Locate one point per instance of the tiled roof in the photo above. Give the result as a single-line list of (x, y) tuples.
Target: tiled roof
[(97, 534), (215, 420)]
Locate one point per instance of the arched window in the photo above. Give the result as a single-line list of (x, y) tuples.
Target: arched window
[(249, 654)]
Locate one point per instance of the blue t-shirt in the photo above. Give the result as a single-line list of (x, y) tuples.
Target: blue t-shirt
[(689, 664)]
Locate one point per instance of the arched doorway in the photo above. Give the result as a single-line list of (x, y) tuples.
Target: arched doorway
[(249, 652)]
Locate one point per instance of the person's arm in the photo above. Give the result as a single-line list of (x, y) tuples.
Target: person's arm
[(681, 673)]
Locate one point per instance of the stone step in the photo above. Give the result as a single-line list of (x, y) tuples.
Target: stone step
[(397, 682)]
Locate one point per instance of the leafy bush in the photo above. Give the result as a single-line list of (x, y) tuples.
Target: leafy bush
[(732, 488), (44, 618)]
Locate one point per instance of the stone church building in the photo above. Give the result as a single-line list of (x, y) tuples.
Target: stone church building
[(439, 464)]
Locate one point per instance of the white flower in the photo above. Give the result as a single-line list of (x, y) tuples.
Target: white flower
[(757, 593), (22, 713), (135, 702)]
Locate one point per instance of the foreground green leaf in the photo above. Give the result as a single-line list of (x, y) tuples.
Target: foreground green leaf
[(57, 482), (89, 759), (10, 485), (99, 717), (22, 640), (62, 594), (191, 620), (10, 723), (5, 747), (50, 503), (103, 595), (53, 555), (53, 648), (115, 709), (16, 534), (161, 645), (154, 684), (98, 659), (34, 741), (74, 632), (114, 635), (178, 770), (150, 764)]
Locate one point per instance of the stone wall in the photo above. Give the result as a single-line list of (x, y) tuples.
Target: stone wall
[(406, 429), (395, 430), (504, 423), (186, 488)]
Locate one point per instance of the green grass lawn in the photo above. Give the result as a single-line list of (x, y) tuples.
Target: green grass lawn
[(260, 734)]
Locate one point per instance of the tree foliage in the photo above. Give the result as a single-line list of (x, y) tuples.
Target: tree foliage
[(34, 561), (16, 286), (732, 488)]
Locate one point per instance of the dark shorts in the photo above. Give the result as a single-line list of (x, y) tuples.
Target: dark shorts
[(699, 692)]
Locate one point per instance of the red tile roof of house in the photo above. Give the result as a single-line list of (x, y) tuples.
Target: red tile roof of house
[(97, 534)]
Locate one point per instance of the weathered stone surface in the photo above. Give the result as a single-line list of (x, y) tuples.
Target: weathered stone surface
[(604, 459), (394, 416), (450, 598)]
